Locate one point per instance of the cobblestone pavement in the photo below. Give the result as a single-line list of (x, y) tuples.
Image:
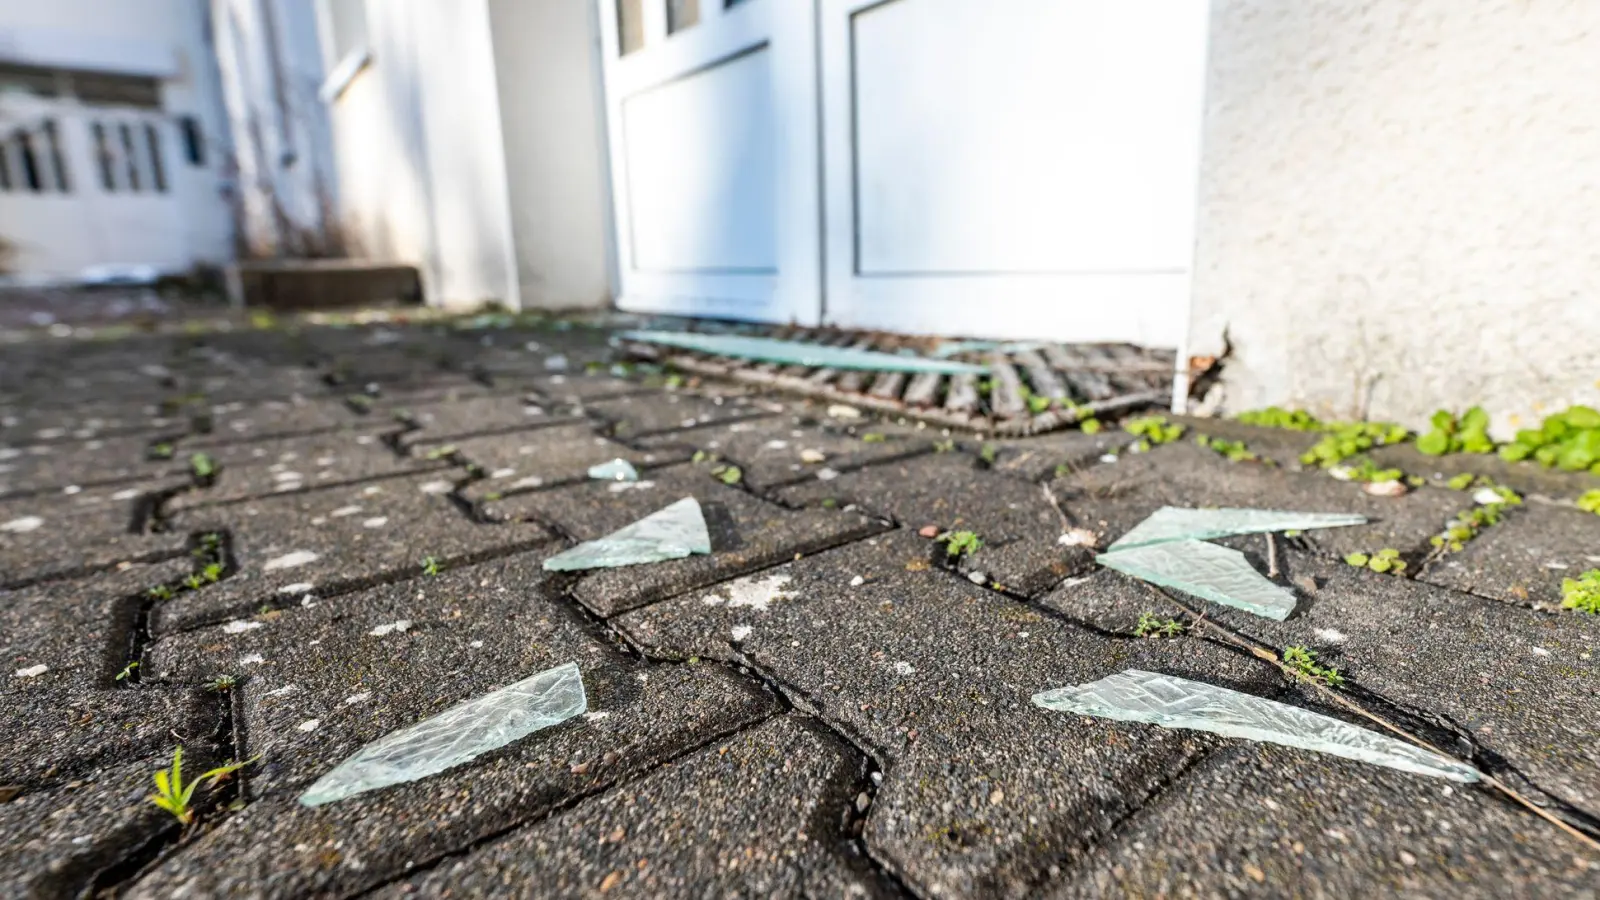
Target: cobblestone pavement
[(280, 545)]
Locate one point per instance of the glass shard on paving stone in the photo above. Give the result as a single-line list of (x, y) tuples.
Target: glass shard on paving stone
[(456, 735), (671, 533), (615, 470), (1172, 702), (1173, 523), (1205, 570), (800, 354)]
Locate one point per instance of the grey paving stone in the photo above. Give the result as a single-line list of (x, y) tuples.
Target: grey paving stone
[(640, 415), (758, 816), (1524, 558), (565, 389), (1047, 455), (304, 462), (1114, 497), (747, 533), (768, 450), (73, 715), (42, 467), (26, 425), (440, 421), (291, 416), (1517, 681), (547, 457), (357, 673), (1019, 528), (60, 841), (983, 790), (50, 535), (1259, 820), (328, 541)]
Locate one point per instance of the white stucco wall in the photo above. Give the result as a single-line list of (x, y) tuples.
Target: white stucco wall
[(548, 74), (421, 162), (1400, 206)]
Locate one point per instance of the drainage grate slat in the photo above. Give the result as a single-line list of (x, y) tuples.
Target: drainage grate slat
[(923, 389), (1045, 382), (887, 385)]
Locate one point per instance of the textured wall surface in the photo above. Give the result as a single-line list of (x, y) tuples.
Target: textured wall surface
[(1400, 206), (546, 58)]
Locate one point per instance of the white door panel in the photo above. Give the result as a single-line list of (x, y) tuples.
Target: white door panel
[(714, 159)]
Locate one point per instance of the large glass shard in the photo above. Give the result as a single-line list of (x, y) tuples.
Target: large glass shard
[(615, 470), (456, 735), (1207, 571), (800, 354), (1173, 523), (1172, 702), (671, 533)]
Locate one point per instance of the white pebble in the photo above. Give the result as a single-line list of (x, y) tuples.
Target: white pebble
[(290, 561), (22, 525), (239, 626), (375, 522), (309, 725), (33, 671), (978, 578), (857, 581), (391, 627)]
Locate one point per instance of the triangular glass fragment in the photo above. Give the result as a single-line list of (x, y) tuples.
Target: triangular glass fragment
[(456, 735), (800, 354), (1173, 523), (1172, 702), (671, 533), (615, 470), (1207, 571)]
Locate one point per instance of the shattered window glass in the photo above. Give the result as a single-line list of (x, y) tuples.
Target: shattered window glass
[(456, 735), (1207, 571), (615, 470), (1172, 523), (671, 533), (800, 354), (1172, 702)]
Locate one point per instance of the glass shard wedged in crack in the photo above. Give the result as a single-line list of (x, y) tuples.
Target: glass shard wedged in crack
[(1174, 523), (615, 470), (671, 533), (456, 735), (800, 354), (1173, 702), (1205, 570)]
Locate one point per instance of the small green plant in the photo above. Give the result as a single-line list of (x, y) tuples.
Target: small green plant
[(1037, 404), (673, 382), (829, 503), (873, 437), (948, 445), (441, 452), (127, 672), (159, 592), (1347, 439), (1568, 440), (1460, 482), (1090, 426), (202, 466), (961, 543), (1589, 501), (1449, 434), (212, 572), (1150, 626), (1277, 417), (1385, 560), (1304, 662), (361, 403), (728, 474), (1582, 593), (194, 582), (222, 683), (1153, 430), (430, 566), (176, 797), (1363, 469), (1467, 525), (162, 450), (988, 452), (1234, 451)]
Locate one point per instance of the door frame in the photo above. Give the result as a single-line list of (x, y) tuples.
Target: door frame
[(792, 291)]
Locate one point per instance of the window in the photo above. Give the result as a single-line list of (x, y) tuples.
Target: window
[(158, 172), (30, 80), (681, 14), (31, 160), (101, 89), (104, 156), (194, 145), (130, 157), (52, 139), (346, 25), (630, 25)]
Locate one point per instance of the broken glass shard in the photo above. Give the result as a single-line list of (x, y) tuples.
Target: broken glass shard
[(457, 735), (1205, 570), (800, 354), (1172, 702), (615, 470), (671, 533), (1172, 523)]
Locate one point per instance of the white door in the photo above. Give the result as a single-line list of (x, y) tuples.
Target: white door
[(1012, 168), (712, 115), (84, 186)]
